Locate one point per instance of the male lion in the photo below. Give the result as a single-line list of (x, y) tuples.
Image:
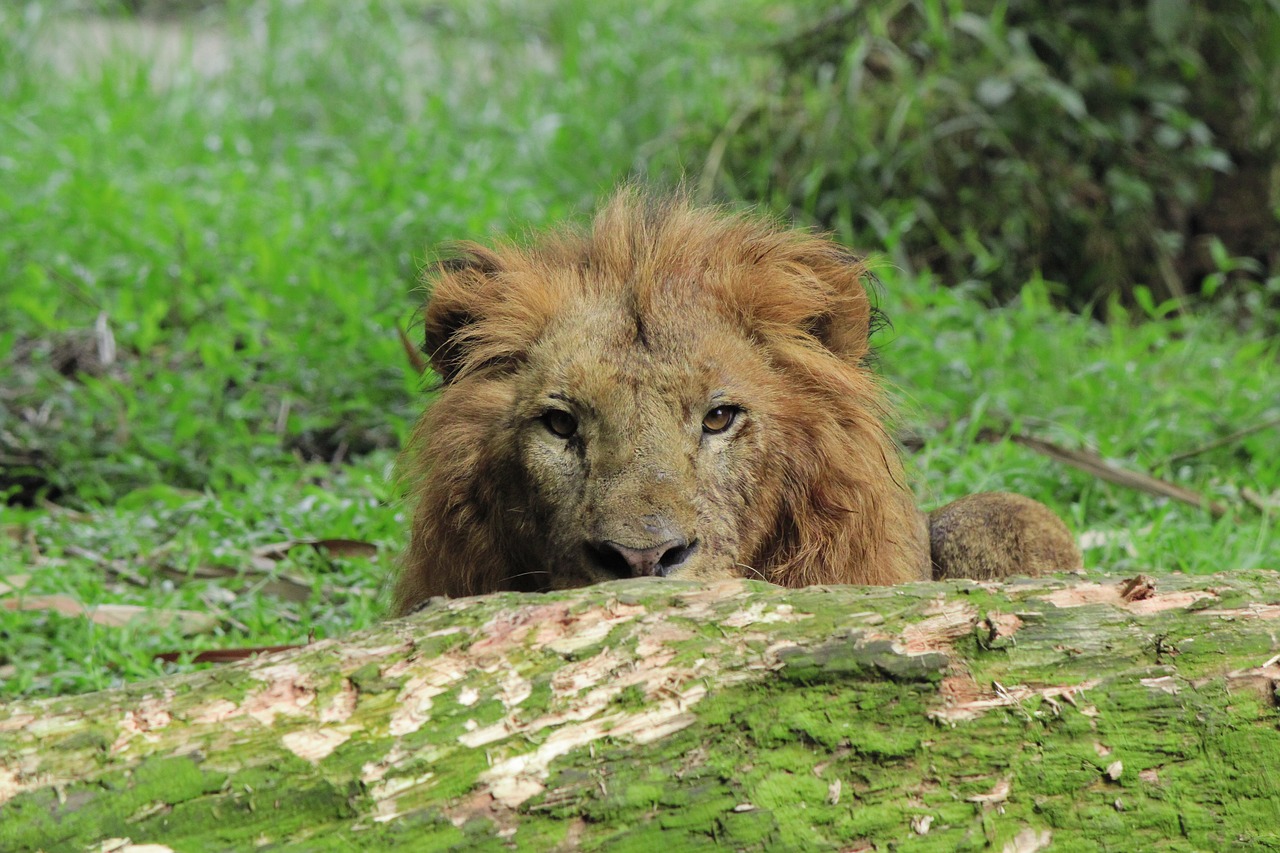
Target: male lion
[(680, 392)]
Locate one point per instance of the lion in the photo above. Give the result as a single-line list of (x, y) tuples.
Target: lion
[(679, 392)]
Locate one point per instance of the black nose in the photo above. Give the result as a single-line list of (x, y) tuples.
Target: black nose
[(625, 561)]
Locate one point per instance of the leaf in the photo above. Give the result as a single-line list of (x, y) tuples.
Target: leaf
[(334, 547), (994, 91), (12, 583), (117, 615), (64, 604), (346, 547), (282, 585), (1142, 295), (1168, 18), (1071, 102), (158, 494), (286, 587)]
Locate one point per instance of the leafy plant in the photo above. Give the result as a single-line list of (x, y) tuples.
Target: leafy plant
[(1094, 144)]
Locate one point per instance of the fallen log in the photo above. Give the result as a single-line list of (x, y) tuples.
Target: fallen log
[(657, 715)]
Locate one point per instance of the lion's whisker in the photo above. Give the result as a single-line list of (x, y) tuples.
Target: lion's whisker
[(529, 574)]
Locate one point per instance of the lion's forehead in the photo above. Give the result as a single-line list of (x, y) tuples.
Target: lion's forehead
[(650, 361)]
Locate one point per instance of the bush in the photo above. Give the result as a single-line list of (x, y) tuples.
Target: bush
[(1096, 144)]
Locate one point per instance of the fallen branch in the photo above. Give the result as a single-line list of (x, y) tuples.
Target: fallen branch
[(1223, 441), (1092, 463)]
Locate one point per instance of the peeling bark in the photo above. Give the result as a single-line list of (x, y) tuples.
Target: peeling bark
[(652, 715)]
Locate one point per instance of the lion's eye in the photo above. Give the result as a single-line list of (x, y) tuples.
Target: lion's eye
[(719, 419), (560, 423)]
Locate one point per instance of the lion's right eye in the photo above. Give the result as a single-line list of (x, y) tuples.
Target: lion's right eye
[(719, 419), (560, 423)]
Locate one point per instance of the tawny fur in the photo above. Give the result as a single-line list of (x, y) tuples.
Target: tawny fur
[(638, 328), (983, 536)]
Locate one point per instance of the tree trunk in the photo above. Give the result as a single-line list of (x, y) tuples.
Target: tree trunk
[(658, 715)]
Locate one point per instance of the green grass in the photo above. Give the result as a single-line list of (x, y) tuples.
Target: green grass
[(1137, 393), (251, 239)]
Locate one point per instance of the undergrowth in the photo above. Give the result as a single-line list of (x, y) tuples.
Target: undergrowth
[(210, 228)]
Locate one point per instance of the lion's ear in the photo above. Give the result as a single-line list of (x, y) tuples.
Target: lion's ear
[(460, 286), (844, 318)]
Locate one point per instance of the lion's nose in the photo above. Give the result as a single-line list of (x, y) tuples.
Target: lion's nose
[(658, 561)]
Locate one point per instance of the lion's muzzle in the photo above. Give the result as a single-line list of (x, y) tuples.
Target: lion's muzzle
[(625, 561)]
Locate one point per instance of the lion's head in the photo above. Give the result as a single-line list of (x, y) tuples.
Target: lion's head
[(678, 392)]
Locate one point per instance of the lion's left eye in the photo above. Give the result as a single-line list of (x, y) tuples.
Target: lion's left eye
[(560, 423), (719, 419)]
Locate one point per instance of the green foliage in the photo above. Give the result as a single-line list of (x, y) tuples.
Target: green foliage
[(1138, 390), (1095, 144), (244, 222), (211, 224), (238, 208)]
